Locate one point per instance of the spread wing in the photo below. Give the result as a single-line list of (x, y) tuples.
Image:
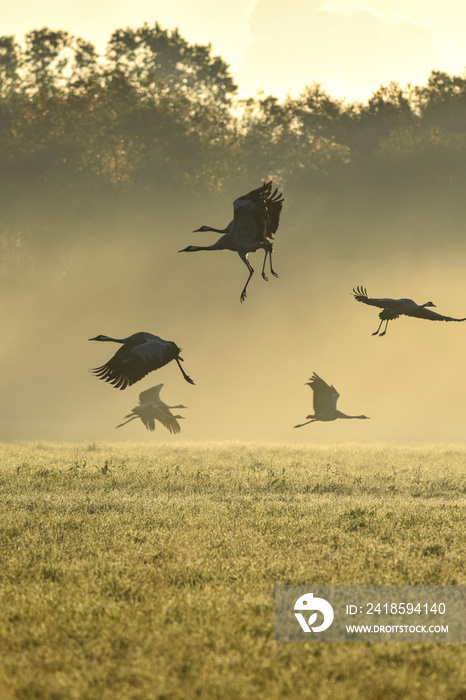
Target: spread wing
[(360, 294), (258, 212), (150, 412), (325, 396), (144, 411), (151, 395), (166, 417), (422, 312), (131, 363)]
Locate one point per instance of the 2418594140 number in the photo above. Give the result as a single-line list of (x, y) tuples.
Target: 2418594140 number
[(405, 608)]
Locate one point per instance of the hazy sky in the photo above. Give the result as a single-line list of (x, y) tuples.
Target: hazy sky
[(351, 46), (250, 361)]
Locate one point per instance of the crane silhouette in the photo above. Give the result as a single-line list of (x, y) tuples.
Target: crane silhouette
[(140, 354), (152, 408), (325, 399), (256, 219), (393, 308)]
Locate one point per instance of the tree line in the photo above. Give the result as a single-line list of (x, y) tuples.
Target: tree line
[(158, 114)]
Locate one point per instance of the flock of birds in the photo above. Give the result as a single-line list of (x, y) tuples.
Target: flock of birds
[(256, 217)]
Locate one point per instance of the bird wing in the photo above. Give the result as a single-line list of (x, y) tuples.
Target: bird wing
[(151, 395), (145, 413), (257, 214), (422, 312), (150, 412), (246, 228), (274, 205), (132, 362), (360, 294), (166, 417), (325, 396)]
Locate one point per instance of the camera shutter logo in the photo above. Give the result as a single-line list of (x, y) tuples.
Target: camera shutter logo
[(307, 603)]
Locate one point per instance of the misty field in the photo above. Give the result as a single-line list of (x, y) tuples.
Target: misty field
[(147, 571)]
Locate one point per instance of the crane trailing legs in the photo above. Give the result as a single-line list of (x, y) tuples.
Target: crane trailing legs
[(245, 259), (325, 399), (394, 308), (140, 354), (256, 216)]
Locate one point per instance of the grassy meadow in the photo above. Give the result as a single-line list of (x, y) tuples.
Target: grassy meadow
[(147, 571)]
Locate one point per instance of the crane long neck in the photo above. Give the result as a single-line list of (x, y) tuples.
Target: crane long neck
[(106, 338), (343, 415), (218, 245), (216, 230), (163, 405)]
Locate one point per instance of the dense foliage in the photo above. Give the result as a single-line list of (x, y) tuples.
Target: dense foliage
[(157, 115)]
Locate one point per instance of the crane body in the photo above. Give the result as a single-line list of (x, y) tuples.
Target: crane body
[(152, 408), (255, 221), (394, 308), (325, 399), (140, 354)]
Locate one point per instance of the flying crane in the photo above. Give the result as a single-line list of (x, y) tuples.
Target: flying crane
[(140, 354), (393, 308), (325, 399), (255, 221), (152, 408)]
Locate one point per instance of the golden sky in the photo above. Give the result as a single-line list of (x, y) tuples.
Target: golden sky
[(351, 46)]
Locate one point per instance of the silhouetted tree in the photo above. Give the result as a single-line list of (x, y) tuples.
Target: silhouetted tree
[(442, 102), (10, 61), (157, 61), (158, 115)]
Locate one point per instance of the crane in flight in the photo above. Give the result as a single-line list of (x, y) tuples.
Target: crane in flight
[(325, 399), (152, 408), (256, 216), (140, 354), (393, 308)]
